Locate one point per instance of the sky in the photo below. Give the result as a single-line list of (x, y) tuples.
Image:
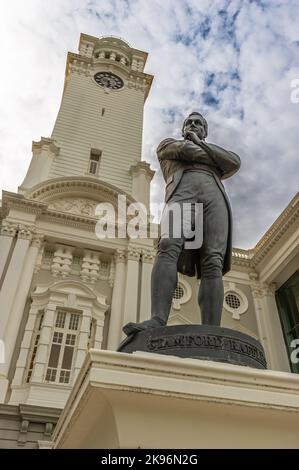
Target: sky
[(234, 61)]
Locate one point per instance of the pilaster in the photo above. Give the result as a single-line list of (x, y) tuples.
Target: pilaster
[(21, 296), (41, 357), (8, 232), (270, 334), (141, 180), (256, 291), (115, 324), (280, 360), (98, 340), (131, 289), (25, 350), (82, 341), (14, 273), (148, 257)]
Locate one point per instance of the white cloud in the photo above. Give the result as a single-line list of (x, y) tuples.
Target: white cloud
[(186, 40)]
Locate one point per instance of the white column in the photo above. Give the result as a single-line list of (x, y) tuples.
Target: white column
[(263, 336), (8, 233), (25, 347), (13, 274), (145, 294), (82, 341), (141, 180), (261, 325), (42, 353), (10, 285), (98, 339), (270, 334), (131, 286), (276, 344), (115, 323), (19, 303)]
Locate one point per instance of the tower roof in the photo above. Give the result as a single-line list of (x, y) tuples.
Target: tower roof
[(113, 42)]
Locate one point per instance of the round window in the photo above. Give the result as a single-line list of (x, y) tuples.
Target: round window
[(233, 301), (179, 292)]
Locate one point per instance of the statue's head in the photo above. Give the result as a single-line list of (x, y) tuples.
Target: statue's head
[(195, 122)]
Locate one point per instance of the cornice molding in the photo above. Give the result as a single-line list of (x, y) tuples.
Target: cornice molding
[(46, 142), (35, 413), (88, 66), (241, 257), (142, 167), (45, 194), (36, 201), (80, 63), (82, 185), (18, 201), (46, 295), (286, 219), (251, 258), (116, 42), (71, 220)]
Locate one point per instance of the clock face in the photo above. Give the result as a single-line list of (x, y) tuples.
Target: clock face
[(109, 80)]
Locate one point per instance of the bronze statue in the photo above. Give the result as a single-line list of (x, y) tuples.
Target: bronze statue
[(193, 170)]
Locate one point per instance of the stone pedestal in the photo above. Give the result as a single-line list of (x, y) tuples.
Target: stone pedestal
[(154, 401), (207, 342)]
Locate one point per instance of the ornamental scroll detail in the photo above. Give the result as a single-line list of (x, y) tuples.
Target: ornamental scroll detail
[(83, 207)]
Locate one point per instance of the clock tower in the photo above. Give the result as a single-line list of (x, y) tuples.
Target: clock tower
[(55, 273), (98, 130)]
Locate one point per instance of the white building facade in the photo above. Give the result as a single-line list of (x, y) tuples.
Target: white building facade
[(64, 292)]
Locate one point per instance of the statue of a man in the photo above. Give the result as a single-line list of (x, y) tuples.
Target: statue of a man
[(193, 170)]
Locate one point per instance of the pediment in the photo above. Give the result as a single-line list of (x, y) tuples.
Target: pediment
[(70, 294), (80, 206), (77, 195)]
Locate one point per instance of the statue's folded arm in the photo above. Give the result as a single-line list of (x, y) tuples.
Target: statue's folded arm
[(209, 154)]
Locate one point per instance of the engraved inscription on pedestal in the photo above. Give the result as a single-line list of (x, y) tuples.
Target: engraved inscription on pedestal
[(201, 342), (206, 341)]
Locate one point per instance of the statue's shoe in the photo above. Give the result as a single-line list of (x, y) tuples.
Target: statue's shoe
[(133, 328)]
